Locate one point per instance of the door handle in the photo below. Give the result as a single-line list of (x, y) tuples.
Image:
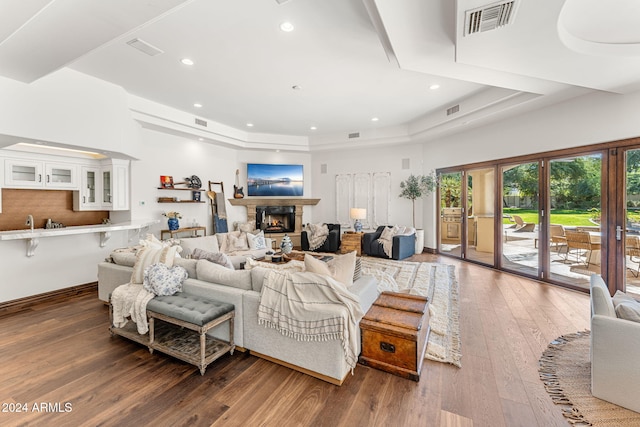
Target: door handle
[(618, 233)]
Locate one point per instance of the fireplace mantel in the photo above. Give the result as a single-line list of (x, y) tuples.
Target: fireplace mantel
[(280, 201), (250, 204)]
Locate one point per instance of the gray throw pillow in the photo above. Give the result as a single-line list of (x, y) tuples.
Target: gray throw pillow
[(621, 297), (628, 310), (217, 258)]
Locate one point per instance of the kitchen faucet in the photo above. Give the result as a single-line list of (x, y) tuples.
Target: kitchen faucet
[(30, 221)]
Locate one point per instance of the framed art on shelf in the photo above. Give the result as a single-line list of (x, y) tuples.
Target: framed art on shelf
[(166, 181)]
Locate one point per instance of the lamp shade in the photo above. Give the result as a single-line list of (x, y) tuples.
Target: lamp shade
[(358, 213)]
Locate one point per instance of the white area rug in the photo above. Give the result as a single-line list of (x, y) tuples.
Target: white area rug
[(438, 283)]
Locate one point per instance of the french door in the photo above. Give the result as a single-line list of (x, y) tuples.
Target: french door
[(559, 217)]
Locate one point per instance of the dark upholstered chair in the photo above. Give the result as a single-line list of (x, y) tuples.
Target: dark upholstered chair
[(332, 244), (403, 246)]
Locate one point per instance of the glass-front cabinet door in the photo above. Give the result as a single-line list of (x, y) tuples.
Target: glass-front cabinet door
[(21, 173), (106, 187), (89, 189)]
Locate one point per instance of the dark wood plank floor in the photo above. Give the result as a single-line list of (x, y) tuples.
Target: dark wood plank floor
[(60, 357)]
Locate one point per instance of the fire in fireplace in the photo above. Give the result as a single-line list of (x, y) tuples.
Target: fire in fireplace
[(276, 219)]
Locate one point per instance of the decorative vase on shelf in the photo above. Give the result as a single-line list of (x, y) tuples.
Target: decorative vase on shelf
[(286, 244), (173, 224)]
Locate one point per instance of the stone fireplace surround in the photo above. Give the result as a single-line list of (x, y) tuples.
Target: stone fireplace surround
[(250, 203)]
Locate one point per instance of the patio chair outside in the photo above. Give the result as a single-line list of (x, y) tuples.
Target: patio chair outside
[(521, 225), (579, 243), (632, 244), (556, 236)]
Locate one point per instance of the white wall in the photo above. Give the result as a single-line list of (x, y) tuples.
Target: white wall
[(68, 107), (59, 262), (75, 109), (589, 119), (381, 159)]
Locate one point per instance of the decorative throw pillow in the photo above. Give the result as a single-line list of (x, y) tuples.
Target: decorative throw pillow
[(162, 280), (208, 243), (152, 241), (238, 243), (628, 310), (246, 227), (148, 255), (256, 241), (340, 268), (620, 297), (224, 240), (217, 258), (314, 265), (357, 272)]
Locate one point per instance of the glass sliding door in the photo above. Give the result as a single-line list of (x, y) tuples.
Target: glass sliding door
[(451, 214), (632, 217), (575, 218), (480, 217), (520, 219)]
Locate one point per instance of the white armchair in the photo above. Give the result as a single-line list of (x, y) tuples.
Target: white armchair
[(615, 351)]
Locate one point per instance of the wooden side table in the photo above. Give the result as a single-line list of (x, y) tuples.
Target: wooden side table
[(351, 241), (193, 230)]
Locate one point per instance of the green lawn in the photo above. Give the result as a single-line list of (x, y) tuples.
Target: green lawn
[(563, 217)]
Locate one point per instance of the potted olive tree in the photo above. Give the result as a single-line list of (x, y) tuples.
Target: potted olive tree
[(416, 187)]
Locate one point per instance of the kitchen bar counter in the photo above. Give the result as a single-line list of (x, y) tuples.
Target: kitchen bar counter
[(32, 236)]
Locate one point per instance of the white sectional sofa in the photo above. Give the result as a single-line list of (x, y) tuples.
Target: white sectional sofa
[(615, 346), (324, 360)]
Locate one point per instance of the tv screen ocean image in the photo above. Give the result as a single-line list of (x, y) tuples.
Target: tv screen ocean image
[(274, 180)]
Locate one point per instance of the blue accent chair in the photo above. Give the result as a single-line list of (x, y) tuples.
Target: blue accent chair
[(403, 246)]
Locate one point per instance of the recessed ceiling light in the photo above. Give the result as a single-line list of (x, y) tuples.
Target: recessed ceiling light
[(197, 105), (434, 86), (187, 61), (287, 27), (313, 128), (296, 87), (375, 119), (250, 125)]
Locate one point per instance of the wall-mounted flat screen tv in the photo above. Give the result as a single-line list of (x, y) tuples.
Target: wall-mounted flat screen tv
[(274, 180)]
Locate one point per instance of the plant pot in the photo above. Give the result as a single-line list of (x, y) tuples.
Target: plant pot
[(173, 224), (419, 241)]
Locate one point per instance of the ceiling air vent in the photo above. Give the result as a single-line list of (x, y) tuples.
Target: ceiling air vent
[(145, 47), (453, 110), (201, 122), (489, 17), (354, 135)]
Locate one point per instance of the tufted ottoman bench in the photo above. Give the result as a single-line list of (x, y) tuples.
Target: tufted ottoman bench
[(196, 314)]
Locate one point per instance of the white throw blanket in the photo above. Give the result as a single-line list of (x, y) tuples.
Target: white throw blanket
[(311, 307), (131, 300), (317, 235)]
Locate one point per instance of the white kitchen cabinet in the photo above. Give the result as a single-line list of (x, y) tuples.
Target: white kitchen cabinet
[(86, 199), (119, 184), (104, 187), (26, 173)]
